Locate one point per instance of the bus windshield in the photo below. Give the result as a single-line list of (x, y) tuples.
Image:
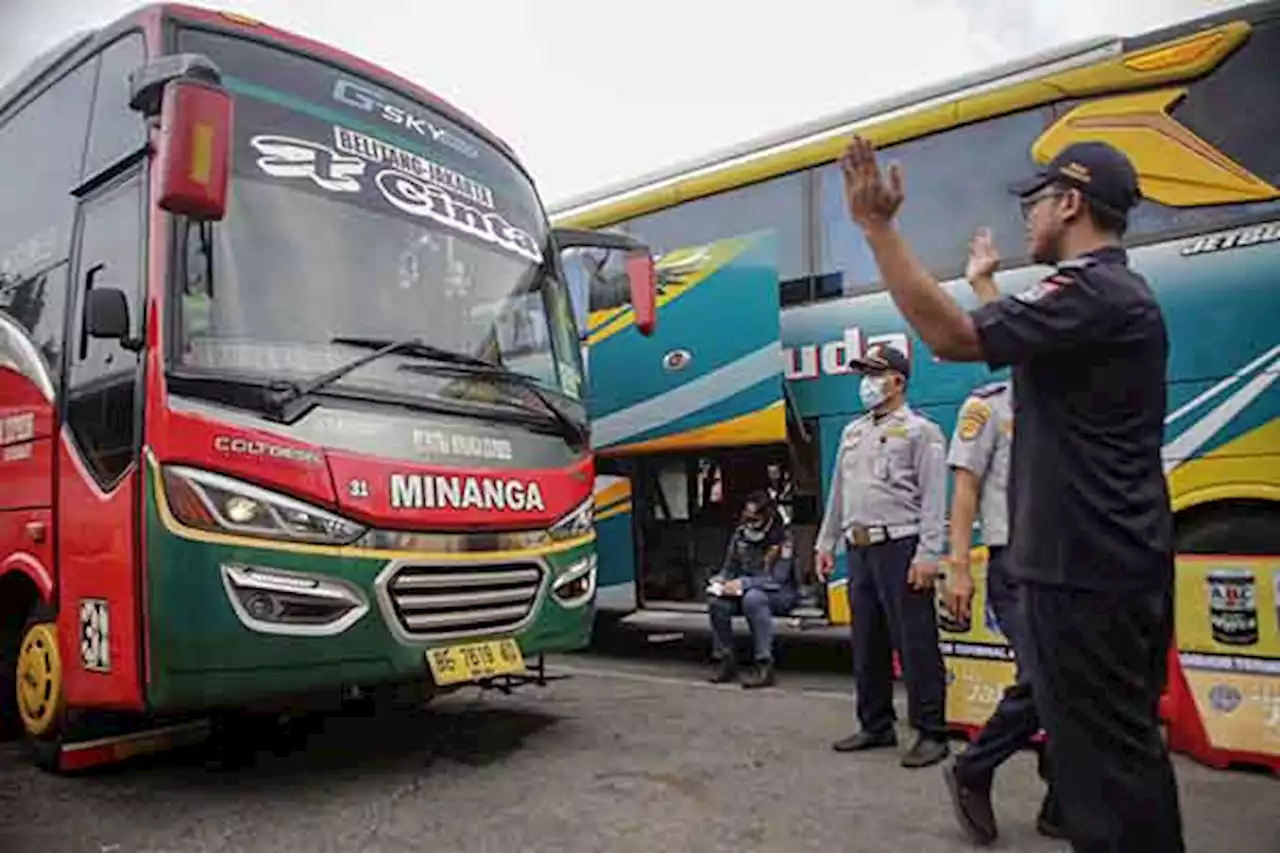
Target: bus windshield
[(355, 213)]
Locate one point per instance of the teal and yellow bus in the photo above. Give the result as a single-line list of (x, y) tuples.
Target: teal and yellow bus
[(767, 289)]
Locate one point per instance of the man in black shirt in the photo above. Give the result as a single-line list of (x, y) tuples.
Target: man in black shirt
[(1091, 522)]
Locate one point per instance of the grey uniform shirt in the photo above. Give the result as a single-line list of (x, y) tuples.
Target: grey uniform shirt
[(981, 443), (889, 472)]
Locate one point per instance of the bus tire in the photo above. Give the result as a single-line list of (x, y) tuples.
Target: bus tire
[(41, 702), (1251, 529), (18, 596)]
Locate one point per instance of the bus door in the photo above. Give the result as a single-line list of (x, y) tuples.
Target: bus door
[(708, 379), (98, 467)]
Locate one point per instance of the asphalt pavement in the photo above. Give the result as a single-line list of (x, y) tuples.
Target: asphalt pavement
[(633, 752)]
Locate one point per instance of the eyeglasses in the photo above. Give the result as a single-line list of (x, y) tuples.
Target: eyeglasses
[(1029, 204)]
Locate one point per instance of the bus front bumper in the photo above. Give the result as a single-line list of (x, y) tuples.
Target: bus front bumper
[(237, 622)]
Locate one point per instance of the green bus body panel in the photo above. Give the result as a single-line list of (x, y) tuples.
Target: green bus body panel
[(202, 656)]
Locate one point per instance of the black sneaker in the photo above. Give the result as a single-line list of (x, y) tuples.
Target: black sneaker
[(866, 740), (972, 807), (723, 670), (761, 675), (926, 751)]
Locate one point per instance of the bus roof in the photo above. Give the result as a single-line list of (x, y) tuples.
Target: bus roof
[(85, 40), (729, 162)]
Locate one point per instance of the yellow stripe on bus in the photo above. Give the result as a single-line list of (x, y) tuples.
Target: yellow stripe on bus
[(764, 426), (1245, 468)]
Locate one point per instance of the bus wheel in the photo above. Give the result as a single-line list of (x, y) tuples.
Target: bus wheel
[(1239, 529), (39, 692)]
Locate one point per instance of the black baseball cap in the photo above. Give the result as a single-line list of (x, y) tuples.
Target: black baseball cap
[(1100, 171), (882, 357)]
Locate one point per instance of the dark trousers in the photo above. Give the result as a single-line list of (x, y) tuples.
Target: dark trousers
[(1097, 663), (888, 614), (1015, 720), (759, 606)]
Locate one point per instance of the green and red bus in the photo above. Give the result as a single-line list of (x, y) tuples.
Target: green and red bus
[(291, 394)]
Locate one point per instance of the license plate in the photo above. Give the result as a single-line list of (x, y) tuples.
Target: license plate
[(454, 664)]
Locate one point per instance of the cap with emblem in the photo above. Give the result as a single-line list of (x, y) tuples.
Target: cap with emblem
[(1100, 171), (881, 357)]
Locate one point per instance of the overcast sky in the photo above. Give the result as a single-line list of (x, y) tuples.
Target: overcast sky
[(592, 92)]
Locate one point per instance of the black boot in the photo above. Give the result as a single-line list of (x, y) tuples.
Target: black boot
[(972, 805), (761, 675), (723, 670), (1049, 822)]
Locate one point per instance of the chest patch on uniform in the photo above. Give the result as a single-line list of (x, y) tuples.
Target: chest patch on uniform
[(973, 417), (1045, 287), (896, 432)]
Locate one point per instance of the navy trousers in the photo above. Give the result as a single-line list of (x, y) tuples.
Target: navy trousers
[(888, 614), (1098, 667), (1015, 720)]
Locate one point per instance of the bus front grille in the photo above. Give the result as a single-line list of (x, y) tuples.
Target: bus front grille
[(463, 600)]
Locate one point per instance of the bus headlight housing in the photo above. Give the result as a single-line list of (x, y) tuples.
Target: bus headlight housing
[(577, 585), (577, 523), (208, 501)]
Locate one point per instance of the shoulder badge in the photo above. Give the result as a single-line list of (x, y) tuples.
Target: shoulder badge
[(991, 389), (1046, 286), (973, 417)]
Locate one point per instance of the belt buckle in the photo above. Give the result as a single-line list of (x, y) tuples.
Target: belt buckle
[(860, 535)]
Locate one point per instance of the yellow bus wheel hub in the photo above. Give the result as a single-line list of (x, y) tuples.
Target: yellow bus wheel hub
[(39, 679)]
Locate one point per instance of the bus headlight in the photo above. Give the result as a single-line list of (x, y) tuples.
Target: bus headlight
[(577, 585), (208, 501), (577, 523)]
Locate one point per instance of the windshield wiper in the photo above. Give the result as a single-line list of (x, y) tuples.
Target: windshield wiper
[(469, 365), (413, 347), (444, 361), (297, 391)]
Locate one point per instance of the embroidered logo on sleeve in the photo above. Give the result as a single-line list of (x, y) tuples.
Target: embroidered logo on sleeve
[(973, 417), (1045, 287)]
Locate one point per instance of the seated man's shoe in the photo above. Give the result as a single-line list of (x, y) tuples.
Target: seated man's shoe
[(761, 675), (1049, 822), (866, 740), (926, 751), (723, 671), (972, 807)]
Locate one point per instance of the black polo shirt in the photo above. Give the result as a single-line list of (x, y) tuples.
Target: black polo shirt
[(1089, 504)]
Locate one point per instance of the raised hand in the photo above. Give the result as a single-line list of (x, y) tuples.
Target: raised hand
[(983, 257), (872, 199)]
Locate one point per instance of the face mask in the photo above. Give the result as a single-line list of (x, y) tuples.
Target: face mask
[(754, 528), (872, 392)]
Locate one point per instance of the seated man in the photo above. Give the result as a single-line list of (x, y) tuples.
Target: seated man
[(755, 581)]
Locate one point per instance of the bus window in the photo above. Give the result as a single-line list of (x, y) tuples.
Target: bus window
[(117, 130), (1212, 110), (103, 373), (776, 205), (967, 172), (42, 143)]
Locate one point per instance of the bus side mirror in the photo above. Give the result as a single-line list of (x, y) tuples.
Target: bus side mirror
[(107, 314), (644, 290), (195, 112), (642, 273)]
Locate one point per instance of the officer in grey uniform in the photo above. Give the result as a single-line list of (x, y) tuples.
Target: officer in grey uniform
[(979, 456), (887, 502)]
